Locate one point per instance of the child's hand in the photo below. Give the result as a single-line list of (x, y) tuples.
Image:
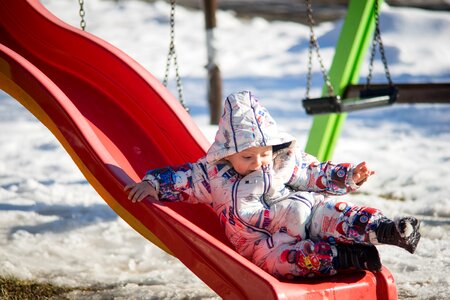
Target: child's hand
[(138, 191), (361, 173)]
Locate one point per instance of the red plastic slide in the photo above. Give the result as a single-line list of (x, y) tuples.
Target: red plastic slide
[(116, 121)]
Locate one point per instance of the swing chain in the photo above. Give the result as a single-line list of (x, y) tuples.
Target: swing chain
[(172, 54), (376, 41), (82, 14), (314, 45)]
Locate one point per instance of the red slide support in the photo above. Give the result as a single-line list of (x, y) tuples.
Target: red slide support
[(116, 121)]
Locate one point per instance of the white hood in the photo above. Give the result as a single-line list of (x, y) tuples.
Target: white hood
[(245, 123)]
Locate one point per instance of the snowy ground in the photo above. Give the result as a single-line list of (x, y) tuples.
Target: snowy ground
[(53, 226)]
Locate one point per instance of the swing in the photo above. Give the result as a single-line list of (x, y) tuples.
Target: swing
[(368, 97)]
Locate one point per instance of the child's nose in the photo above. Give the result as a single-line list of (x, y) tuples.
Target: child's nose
[(257, 162)]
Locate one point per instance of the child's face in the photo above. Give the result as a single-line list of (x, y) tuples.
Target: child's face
[(251, 159)]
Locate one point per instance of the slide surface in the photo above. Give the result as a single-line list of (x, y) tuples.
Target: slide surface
[(116, 121)]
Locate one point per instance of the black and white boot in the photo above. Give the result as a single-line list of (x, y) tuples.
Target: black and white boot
[(403, 232), (359, 257)]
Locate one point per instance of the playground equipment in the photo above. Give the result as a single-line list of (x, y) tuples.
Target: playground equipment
[(82, 14), (91, 96), (350, 50), (368, 97), (172, 55)]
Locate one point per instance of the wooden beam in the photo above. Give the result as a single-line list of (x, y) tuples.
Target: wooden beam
[(410, 93), (214, 77)]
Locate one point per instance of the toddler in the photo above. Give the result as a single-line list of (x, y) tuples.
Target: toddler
[(273, 199)]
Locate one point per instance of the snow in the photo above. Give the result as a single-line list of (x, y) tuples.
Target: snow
[(54, 226)]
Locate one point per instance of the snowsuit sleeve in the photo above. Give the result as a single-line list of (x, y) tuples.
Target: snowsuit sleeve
[(187, 183), (311, 175)]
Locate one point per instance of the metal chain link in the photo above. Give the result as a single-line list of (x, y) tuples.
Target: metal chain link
[(376, 41), (82, 14), (172, 55), (314, 45)]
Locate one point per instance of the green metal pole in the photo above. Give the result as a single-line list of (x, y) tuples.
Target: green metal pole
[(354, 39)]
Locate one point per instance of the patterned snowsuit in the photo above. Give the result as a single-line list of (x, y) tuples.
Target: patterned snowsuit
[(277, 217)]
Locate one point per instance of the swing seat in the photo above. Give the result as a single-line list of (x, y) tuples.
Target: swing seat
[(368, 98)]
